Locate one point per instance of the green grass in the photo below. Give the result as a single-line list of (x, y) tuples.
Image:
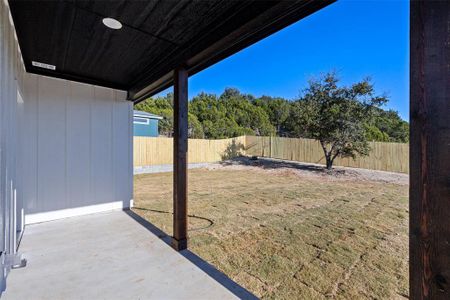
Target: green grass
[(284, 236)]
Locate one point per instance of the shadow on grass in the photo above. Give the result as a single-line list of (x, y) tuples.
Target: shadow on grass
[(273, 163), (208, 221), (215, 274)]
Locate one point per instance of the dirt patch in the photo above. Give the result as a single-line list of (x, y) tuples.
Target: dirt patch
[(283, 167)]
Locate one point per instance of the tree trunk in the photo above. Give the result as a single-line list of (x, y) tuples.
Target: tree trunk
[(328, 158), (329, 163)]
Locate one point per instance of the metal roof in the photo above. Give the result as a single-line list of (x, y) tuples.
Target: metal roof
[(144, 114)]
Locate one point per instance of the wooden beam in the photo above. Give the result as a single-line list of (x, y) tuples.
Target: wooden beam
[(430, 150), (180, 147)]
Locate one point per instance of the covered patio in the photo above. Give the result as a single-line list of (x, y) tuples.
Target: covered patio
[(70, 73), (82, 262)]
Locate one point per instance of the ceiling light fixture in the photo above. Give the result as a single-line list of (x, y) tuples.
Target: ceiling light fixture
[(112, 23)]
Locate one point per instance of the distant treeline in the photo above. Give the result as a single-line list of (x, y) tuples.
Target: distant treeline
[(234, 114)]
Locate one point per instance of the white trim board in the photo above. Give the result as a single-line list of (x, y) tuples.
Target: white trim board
[(73, 212)]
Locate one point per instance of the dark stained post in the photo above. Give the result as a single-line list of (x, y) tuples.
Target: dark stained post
[(430, 150), (180, 147)]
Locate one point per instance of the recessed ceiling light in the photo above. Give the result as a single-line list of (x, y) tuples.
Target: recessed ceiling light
[(112, 23)]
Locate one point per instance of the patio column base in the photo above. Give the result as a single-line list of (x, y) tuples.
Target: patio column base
[(179, 244)]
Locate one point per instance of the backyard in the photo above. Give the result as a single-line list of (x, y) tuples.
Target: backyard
[(289, 230)]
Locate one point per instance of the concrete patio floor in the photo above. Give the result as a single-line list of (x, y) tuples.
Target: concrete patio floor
[(110, 256)]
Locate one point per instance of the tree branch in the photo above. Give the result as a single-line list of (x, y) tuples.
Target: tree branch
[(335, 155)]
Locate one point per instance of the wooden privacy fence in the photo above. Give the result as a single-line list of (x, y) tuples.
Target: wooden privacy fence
[(158, 150), (392, 157)]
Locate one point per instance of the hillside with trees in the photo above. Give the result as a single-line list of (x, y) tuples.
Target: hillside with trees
[(322, 106)]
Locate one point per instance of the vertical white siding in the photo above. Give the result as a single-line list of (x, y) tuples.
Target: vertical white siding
[(123, 168), (65, 147), (29, 145), (80, 137), (78, 154), (11, 108), (101, 145), (51, 145)]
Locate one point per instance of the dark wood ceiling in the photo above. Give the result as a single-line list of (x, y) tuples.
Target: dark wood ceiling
[(157, 36)]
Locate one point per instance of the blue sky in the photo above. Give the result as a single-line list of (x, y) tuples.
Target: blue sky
[(355, 38)]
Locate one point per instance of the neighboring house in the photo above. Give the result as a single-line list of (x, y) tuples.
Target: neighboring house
[(145, 124)]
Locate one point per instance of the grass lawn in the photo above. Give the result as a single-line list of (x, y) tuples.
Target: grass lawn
[(286, 235)]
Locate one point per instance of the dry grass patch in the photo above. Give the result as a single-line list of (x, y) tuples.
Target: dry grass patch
[(286, 236)]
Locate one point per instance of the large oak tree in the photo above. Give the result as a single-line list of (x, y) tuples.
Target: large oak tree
[(336, 115)]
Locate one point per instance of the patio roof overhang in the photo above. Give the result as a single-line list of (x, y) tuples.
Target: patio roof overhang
[(156, 37)]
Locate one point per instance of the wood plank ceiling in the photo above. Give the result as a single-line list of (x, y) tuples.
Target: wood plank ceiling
[(157, 36)]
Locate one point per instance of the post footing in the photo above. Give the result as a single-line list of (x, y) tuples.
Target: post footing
[(179, 244)]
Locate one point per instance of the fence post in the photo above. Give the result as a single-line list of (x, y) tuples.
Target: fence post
[(270, 146)]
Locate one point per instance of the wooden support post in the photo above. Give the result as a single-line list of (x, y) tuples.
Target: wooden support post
[(430, 150), (180, 147)]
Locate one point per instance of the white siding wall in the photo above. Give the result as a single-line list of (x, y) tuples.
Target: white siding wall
[(77, 149), (65, 147), (11, 108)]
